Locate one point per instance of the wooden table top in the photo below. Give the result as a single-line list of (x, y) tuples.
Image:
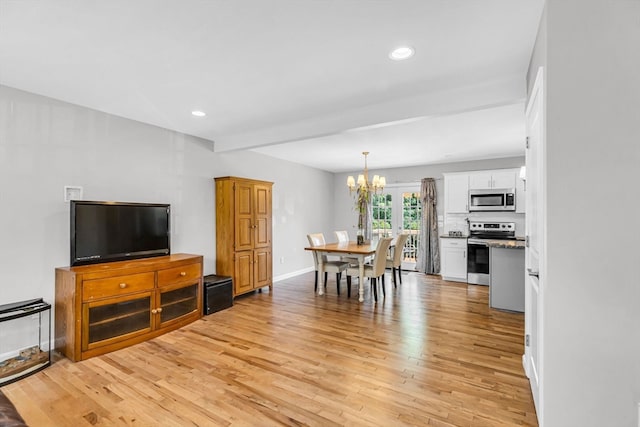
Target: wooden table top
[(346, 247)]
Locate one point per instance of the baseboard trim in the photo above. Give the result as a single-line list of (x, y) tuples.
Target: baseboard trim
[(292, 274)]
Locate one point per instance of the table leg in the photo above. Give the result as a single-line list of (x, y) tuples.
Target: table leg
[(361, 279), (320, 274)]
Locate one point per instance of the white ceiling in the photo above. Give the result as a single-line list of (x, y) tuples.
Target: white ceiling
[(305, 80)]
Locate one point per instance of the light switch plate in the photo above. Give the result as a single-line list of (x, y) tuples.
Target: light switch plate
[(72, 193)]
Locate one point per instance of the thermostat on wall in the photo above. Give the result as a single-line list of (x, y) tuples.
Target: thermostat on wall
[(72, 193)]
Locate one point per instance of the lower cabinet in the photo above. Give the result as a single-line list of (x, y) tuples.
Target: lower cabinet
[(252, 270), (453, 259), (105, 307), (176, 303), (112, 320)]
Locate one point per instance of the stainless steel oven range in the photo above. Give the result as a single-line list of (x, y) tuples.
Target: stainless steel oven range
[(478, 271)]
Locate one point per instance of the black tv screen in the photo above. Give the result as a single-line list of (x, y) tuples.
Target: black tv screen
[(115, 231)]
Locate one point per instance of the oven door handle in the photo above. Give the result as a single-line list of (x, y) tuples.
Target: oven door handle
[(478, 244)]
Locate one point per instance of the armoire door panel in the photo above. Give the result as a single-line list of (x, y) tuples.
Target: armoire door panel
[(244, 272), (244, 233), (262, 233), (263, 268), (243, 199), (244, 217), (263, 195)]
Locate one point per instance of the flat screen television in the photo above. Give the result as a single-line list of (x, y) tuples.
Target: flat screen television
[(116, 231)]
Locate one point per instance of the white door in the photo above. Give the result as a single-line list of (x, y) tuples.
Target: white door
[(398, 210), (534, 295)]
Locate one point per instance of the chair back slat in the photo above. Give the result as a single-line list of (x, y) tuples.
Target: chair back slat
[(397, 250), (316, 239), (380, 260), (342, 236)]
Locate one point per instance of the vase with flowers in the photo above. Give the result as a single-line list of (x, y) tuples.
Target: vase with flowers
[(362, 205), (363, 191)]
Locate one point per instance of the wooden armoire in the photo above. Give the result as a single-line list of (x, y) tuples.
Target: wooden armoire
[(243, 232)]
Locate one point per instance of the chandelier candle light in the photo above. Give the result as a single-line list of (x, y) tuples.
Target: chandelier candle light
[(364, 189)]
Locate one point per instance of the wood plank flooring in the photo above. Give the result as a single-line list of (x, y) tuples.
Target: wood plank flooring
[(430, 353)]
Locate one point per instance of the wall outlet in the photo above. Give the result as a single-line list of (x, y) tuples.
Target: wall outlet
[(72, 193), (281, 260)]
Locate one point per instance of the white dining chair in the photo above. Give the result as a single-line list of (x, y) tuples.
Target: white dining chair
[(343, 237), (317, 239), (375, 270), (394, 259)]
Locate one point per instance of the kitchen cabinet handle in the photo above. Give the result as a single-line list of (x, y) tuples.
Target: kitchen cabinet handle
[(532, 273), (154, 311), (159, 310), (183, 273), (122, 285)]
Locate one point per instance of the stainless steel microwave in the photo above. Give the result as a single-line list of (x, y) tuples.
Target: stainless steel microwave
[(503, 199)]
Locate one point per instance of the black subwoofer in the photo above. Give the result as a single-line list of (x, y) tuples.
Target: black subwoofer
[(218, 293)]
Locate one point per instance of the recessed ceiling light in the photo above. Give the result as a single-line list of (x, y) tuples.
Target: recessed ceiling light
[(402, 52), (199, 113)]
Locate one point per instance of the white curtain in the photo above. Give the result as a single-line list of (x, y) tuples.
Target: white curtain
[(428, 250)]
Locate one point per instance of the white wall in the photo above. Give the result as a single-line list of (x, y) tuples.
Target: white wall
[(346, 218), (46, 144), (592, 304)]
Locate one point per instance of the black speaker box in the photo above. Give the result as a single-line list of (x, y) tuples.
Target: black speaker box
[(218, 293)]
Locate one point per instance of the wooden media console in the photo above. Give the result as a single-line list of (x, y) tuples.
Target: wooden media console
[(105, 307)]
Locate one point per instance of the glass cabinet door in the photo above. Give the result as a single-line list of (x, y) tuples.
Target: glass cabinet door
[(178, 302), (114, 320)]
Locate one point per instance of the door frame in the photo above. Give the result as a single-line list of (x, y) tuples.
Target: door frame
[(396, 190), (535, 261)]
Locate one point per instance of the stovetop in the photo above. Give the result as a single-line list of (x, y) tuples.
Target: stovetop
[(492, 230), (491, 237)]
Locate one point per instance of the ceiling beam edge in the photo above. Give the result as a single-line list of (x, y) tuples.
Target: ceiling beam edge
[(508, 90)]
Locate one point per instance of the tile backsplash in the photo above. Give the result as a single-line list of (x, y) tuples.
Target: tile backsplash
[(459, 222)]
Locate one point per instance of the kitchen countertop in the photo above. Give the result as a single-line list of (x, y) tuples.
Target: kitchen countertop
[(505, 244), (517, 243)]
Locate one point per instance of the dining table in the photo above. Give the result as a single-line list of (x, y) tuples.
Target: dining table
[(351, 249)]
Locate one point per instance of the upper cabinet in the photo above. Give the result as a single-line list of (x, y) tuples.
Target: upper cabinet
[(458, 184), (483, 180), (456, 192)]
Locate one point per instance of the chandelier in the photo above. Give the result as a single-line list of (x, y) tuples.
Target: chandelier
[(363, 183)]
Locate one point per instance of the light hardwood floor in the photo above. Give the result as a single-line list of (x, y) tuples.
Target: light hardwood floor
[(430, 353)]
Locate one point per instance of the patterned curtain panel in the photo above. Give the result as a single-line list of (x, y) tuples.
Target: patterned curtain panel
[(429, 250)]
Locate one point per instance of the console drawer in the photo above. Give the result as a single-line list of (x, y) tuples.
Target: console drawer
[(179, 274), (118, 285)]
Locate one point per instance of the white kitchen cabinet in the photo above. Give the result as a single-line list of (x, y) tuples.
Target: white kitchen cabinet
[(483, 180), (453, 259), (456, 193), (480, 180), (505, 178)]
